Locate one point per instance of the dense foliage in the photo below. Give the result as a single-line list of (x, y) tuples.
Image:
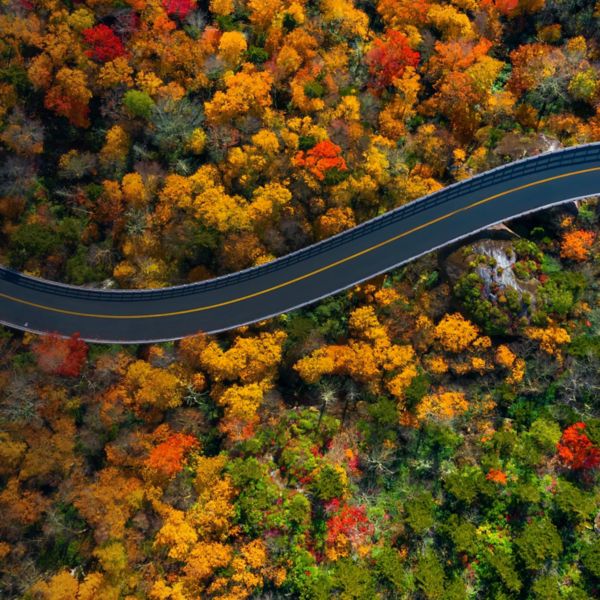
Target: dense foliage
[(148, 142), (432, 434), (379, 445)]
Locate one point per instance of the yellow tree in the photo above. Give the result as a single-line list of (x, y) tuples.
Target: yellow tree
[(115, 149), (550, 338), (246, 91), (369, 357), (134, 190), (441, 406), (148, 386), (241, 404), (69, 96), (455, 333), (214, 511), (202, 561), (232, 45), (108, 502), (176, 534), (249, 359)]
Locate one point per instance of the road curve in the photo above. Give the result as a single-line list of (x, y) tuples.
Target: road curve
[(305, 276)]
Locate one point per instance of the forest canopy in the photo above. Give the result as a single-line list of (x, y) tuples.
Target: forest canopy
[(151, 142), (431, 434)]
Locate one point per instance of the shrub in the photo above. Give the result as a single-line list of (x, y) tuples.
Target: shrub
[(556, 298), (576, 245)]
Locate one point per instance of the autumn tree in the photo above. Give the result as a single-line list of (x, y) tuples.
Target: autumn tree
[(442, 406), (249, 359), (232, 46), (321, 159), (246, 91), (550, 338), (576, 245), (348, 528), (167, 458), (104, 44), (397, 13), (60, 356), (455, 333), (576, 450), (148, 386), (108, 502), (179, 8), (389, 57), (69, 96)]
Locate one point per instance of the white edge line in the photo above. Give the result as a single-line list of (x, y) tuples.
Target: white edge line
[(199, 284), (319, 298)]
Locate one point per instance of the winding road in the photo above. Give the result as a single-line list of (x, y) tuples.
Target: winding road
[(305, 276)]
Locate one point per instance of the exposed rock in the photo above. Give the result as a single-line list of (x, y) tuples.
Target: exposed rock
[(493, 261), (514, 146)]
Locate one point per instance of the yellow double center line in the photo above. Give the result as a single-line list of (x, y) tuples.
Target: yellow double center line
[(311, 273)]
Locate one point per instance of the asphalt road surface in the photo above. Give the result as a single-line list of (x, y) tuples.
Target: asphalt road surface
[(310, 274)]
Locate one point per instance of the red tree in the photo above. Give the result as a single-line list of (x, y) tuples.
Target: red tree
[(168, 457), (104, 43), (179, 8), (389, 57), (61, 356), (504, 7), (576, 450), (351, 521), (497, 476), (321, 158), (72, 108)]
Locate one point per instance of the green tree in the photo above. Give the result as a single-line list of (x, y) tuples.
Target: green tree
[(503, 564), (328, 483), (546, 588), (390, 568), (32, 240), (538, 543), (590, 558), (429, 575), (139, 104), (420, 515), (353, 581), (462, 533), (574, 503)]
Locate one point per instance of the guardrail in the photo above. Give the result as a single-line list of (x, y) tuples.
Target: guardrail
[(527, 166)]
